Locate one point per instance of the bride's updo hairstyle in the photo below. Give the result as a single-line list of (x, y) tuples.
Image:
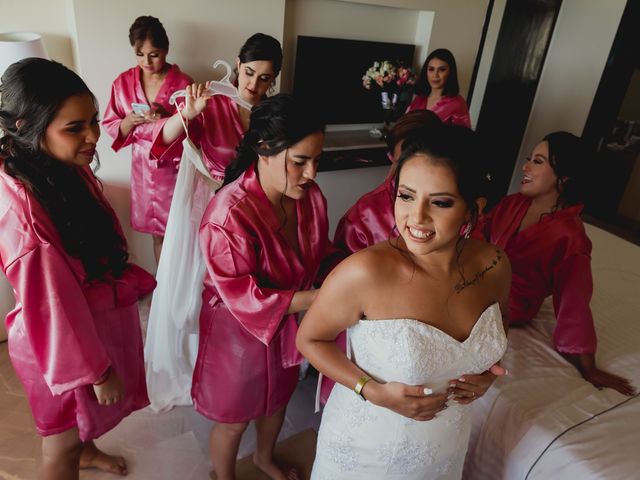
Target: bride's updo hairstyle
[(276, 124), (459, 149), (31, 93)]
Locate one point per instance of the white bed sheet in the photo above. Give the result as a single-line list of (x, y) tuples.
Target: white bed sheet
[(516, 423)]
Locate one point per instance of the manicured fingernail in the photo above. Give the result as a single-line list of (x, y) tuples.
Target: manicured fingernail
[(427, 391), (506, 372), (461, 379), (452, 384)]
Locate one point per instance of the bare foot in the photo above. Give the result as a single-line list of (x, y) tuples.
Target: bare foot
[(274, 471), (92, 457)]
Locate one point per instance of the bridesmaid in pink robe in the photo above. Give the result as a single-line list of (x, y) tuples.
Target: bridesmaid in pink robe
[(541, 231), (216, 124), (74, 333), (370, 220), (150, 83), (437, 89), (264, 238)]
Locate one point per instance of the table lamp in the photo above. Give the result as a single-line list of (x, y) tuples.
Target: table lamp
[(15, 46)]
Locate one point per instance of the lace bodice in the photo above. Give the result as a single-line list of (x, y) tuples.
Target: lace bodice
[(415, 353), (359, 440)]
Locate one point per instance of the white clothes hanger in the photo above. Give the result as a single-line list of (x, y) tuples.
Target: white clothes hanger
[(218, 87)]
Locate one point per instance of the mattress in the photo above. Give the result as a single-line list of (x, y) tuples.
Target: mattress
[(543, 421)]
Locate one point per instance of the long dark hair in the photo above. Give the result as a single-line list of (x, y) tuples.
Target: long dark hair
[(571, 162), (276, 124), (451, 88), (32, 91)]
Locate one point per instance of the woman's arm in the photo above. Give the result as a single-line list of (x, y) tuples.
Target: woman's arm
[(339, 305), (57, 320), (586, 365), (129, 122), (197, 96), (302, 300), (233, 265), (460, 113), (118, 120), (574, 335)]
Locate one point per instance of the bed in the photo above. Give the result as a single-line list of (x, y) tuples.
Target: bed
[(543, 421)]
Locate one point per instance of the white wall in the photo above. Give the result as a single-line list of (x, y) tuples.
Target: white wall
[(345, 187), (579, 49), (50, 18)]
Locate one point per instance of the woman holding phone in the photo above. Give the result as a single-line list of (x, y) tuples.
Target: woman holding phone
[(140, 97)]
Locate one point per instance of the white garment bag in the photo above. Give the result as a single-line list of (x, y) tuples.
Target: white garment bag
[(172, 334)]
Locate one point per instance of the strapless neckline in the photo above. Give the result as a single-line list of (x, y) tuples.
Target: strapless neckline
[(359, 440), (438, 331)]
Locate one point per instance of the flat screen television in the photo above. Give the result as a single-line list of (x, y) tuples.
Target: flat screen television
[(328, 73)]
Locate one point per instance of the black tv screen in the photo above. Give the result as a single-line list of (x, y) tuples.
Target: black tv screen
[(328, 74)]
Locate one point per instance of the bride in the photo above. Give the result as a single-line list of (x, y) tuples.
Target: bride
[(421, 309)]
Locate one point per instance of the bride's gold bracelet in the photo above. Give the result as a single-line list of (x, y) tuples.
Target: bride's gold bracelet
[(360, 385)]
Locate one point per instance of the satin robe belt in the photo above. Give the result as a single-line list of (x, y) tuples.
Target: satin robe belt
[(286, 334), (134, 284)]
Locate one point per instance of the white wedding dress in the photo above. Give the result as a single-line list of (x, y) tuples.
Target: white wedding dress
[(358, 440)]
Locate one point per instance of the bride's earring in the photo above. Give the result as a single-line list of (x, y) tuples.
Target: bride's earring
[(466, 233)]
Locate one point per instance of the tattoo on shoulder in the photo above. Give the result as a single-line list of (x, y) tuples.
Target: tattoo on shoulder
[(464, 283)]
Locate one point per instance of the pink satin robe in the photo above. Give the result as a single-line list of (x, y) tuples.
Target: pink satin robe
[(247, 364), (452, 110), (65, 331), (217, 131), (370, 220), (152, 179), (552, 257)]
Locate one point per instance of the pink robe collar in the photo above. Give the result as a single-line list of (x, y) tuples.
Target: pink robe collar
[(519, 207), (167, 83), (250, 182)]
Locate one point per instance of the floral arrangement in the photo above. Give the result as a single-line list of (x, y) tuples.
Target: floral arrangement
[(388, 77)]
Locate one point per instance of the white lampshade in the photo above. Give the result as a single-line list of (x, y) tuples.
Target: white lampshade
[(15, 46)]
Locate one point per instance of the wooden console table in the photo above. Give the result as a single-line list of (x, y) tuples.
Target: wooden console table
[(349, 149)]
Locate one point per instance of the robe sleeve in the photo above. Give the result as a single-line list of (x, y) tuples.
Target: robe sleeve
[(348, 237), (460, 114), (163, 153), (57, 320), (232, 263), (113, 116), (572, 289)]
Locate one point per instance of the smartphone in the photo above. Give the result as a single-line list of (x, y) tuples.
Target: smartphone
[(140, 108)]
